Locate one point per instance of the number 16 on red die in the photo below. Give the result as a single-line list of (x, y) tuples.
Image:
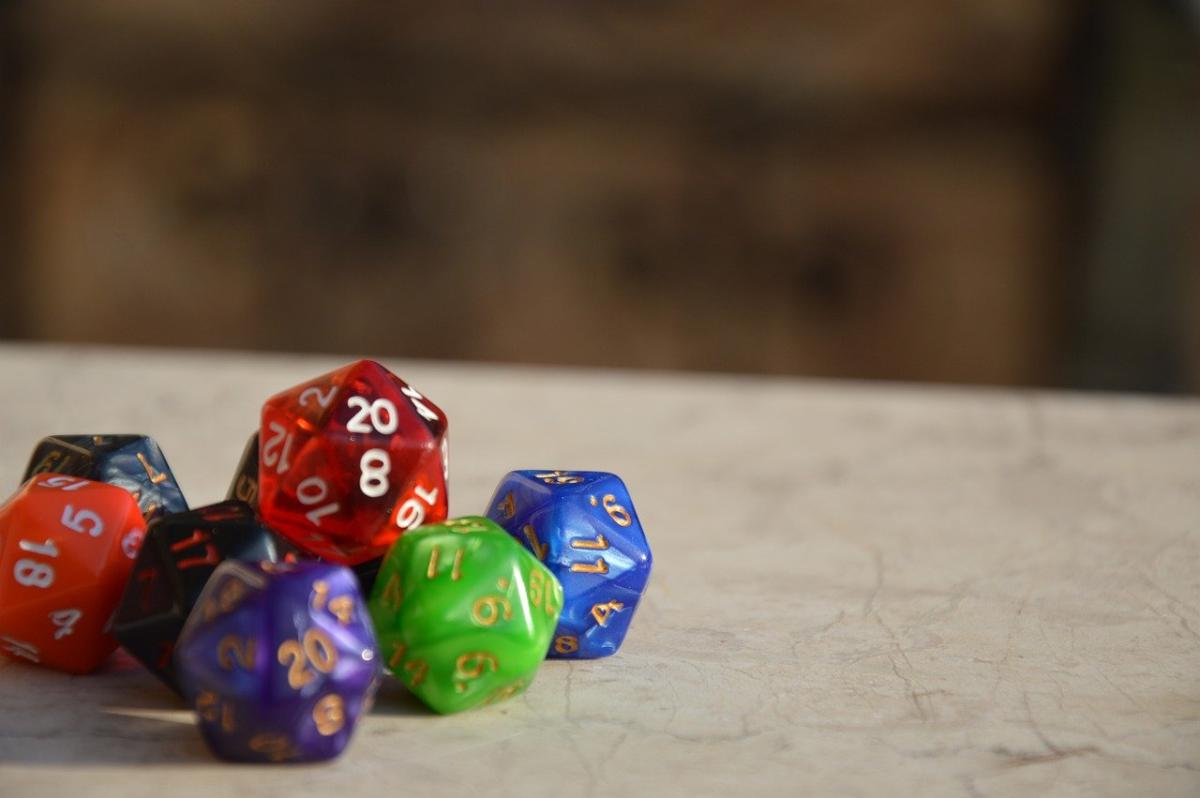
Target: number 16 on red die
[(350, 460)]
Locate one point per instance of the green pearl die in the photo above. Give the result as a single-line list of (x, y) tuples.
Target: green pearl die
[(463, 613)]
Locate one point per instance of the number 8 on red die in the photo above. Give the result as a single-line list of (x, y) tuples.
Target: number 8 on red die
[(67, 546), (350, 460)]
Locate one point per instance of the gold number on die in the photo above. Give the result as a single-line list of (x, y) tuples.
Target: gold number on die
[(317, 651)]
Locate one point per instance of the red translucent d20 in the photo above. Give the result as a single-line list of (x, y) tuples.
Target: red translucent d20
[(350, 460)]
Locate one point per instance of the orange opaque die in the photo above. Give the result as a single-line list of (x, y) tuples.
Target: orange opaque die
[(351, 460), (67, 547)]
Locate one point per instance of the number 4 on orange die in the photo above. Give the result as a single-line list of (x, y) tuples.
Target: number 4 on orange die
[(348, 461)]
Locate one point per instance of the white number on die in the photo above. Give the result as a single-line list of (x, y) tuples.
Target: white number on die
[(381, 412), (275, 450), (32, 573), (65, 620), (323, 399), (375, 464), (412, 513), (63, 483), (82, 521), (314, 491), (418, 402), (19, 648)]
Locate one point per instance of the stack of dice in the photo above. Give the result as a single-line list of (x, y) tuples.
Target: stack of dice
[(275, 613)]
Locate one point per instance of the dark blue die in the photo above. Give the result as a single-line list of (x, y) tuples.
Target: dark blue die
[(279, 661), (583, 526), (132, 462)]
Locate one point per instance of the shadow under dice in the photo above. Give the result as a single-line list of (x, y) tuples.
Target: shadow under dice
[(67, 546), (179, 556), (349, 461), (278, 661), (132, 462), (463, 614), (583, 526)]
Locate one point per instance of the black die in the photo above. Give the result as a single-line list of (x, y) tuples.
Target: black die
[(180, 553)]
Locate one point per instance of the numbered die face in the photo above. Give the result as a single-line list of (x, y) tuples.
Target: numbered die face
[(464, 615), (66, 549), (351, 460), (278, 661), (132, 462), (180, 555), (245, 488), (583, 526), (245, 479)]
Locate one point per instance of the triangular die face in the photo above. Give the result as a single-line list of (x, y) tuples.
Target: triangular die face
[(315, 461), (592, 549), (417, 421), (312, 400), (138, 454), (187, 546), (538, 534), (150, 591), (249, 623), (419, 501), (424, 409), (371, 377), (517, 498), (55, 456)]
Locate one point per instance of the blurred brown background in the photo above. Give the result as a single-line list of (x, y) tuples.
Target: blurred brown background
[(984, 191)]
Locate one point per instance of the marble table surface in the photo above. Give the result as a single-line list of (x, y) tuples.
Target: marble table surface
[(859, 589)]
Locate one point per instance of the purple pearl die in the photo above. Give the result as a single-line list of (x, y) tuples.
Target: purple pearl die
[(278, 660)]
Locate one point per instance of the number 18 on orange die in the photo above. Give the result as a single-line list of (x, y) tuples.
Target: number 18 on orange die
[(349, 461), (67, 546)]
